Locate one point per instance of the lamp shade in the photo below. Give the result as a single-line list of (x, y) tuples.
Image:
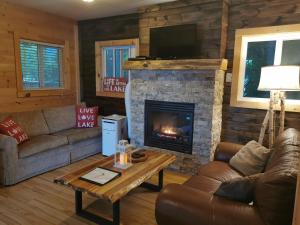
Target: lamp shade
[(282, 78)]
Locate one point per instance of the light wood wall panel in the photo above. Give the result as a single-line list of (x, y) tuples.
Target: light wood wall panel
[(19, 19)]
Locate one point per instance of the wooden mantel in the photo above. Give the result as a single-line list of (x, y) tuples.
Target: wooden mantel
[(179, 64)]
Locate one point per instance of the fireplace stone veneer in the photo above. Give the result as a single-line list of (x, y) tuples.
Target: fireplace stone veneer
[(202, 87)]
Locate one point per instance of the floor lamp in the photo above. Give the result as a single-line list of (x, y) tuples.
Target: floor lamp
[(277, 80)]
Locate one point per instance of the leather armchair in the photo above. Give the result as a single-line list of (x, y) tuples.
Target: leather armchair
[(194, 203)]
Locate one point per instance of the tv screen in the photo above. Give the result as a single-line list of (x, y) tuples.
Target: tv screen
[(174, 42)]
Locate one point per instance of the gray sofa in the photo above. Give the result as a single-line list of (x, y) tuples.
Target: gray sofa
[(54, 142)]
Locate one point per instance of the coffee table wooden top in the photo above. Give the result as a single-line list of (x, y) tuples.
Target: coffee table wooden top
[(131, 178)]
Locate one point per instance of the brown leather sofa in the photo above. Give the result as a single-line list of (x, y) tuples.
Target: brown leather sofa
[(193, 203)]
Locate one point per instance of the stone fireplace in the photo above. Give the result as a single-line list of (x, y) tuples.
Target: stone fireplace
[(176, 106)]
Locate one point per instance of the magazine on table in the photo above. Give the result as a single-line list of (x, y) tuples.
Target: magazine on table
[(100, 176)]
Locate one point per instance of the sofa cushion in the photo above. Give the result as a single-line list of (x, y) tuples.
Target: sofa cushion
[(218, 170), (275, 189), (60, 118), (75, 135), (32, 122), (181, 205), (40, 144), (251, 158), (279, 154), (203, 183), (239, 189)]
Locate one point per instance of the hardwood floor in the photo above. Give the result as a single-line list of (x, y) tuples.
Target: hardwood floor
[(38, 201)]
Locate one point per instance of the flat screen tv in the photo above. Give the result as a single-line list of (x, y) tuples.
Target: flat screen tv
[(174, 42)]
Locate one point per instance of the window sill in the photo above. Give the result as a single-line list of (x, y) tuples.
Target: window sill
[(110, 94), (255, 103), (43, 93)]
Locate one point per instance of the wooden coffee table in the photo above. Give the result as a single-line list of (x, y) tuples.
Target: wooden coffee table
[(133, 177)]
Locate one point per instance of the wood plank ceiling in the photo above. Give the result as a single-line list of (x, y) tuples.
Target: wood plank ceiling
[(79, 10)]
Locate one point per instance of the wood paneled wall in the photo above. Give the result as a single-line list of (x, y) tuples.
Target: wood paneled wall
[(239, 124), (211, 17), (23, 20), (111, 28)]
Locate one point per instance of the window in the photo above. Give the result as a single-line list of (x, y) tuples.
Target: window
[(258, 47), (113, 59), (110, 56), (41, 65)]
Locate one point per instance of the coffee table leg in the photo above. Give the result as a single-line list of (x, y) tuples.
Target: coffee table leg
[(161, 179), (78, 202), (116, 213), (97, 219), (154, 187)]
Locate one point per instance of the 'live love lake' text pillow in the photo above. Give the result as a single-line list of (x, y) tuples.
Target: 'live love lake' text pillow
[(86, 117)]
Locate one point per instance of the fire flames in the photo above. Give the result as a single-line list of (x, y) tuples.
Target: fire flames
[(169, 130)]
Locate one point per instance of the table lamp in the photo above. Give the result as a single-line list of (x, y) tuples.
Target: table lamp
[(277, 80)]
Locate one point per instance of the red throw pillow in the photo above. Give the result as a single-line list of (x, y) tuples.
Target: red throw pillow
[(11, 128), (86, 117)]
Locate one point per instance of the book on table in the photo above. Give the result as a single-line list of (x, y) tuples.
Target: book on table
[(100, 176)]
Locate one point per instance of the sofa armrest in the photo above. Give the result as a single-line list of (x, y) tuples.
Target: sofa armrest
[(183, 205), (226, 150), (8, 159)]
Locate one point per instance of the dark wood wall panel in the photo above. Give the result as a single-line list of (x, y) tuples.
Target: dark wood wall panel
[(241, 125), (209, 16), (111, 28)]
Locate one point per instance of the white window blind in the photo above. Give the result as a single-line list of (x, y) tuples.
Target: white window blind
[(41, 65), (113, 59)]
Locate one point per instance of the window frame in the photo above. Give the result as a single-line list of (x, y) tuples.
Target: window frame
[(242, 37), (100, 63), (22, 92), (60, 47)]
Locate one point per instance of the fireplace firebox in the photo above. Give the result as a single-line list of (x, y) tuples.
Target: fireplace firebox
[(169, 125)]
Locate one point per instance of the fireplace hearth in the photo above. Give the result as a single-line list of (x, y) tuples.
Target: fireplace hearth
[(169, 125)]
